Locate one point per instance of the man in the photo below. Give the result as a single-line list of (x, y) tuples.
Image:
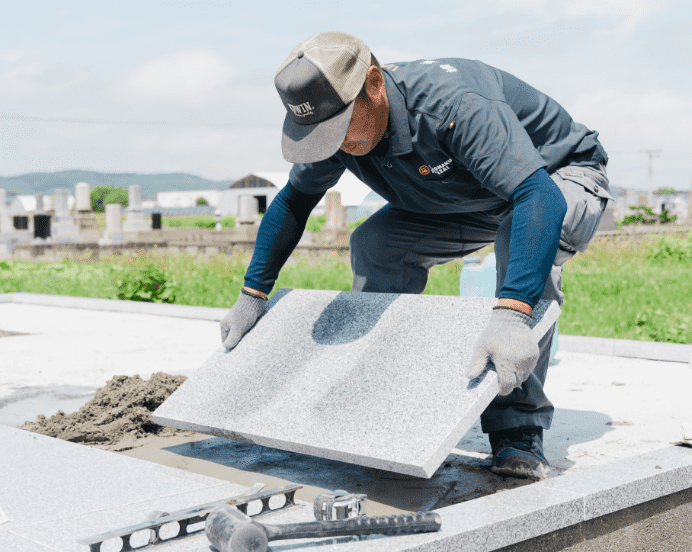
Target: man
[(464, 154)]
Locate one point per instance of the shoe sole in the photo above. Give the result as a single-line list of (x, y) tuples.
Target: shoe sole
[(523, 472)]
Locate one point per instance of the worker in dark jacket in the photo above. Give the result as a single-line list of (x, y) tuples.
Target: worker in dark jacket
[(466, 155)]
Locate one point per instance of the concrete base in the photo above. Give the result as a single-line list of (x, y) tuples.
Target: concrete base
[(134, 222)]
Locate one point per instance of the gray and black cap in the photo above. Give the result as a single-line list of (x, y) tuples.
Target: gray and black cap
[(318, 84)]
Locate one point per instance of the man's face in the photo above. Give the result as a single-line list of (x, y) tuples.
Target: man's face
[(370, 116)]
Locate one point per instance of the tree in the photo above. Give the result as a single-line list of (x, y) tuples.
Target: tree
[(202, 201), (103, 195)]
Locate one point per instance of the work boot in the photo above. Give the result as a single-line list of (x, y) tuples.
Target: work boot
[(518, 452)]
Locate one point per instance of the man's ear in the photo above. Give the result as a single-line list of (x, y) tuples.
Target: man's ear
[(373, 81)]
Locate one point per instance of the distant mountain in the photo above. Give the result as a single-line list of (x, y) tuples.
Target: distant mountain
[(47, 183)]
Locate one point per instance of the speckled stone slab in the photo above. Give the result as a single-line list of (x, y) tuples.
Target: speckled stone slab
[(374, 379)]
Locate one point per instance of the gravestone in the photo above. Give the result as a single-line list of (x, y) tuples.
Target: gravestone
[(42, 227), (156, 221), (374, 379), (39, 204), (82, 193), (64, 229), (334, 212), (134, 217), (113, 233), (248, 209), (620, 208), (84, 217), (334, 231)]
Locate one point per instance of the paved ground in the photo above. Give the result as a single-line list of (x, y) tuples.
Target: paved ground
[(607, 408)]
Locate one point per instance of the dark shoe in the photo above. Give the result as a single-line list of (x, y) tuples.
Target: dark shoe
[(518, 452)]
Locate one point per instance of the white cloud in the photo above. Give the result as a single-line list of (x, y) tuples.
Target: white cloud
[(188, 78), (13, 54), (35, 78)]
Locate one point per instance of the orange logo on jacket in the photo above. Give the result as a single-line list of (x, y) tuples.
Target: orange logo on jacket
[(424, 170)]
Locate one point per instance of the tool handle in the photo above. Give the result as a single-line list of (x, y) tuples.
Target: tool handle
[(421, 522)]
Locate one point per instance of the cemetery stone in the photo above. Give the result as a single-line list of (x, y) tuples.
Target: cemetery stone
[(64, 227), (42, 226), (134, 218), (156, 221), (113, 233)]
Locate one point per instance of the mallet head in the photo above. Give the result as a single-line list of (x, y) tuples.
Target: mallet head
[(229, 530)]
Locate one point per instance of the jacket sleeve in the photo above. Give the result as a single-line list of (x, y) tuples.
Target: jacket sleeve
[(280, 231)]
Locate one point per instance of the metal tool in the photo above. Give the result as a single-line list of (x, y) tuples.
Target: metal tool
[(190, 516), (339, 505), (229, 530)]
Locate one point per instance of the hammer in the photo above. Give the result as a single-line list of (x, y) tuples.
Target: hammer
[(229, 530)]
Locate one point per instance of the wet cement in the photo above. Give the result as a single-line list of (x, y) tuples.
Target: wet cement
[(119, 411)]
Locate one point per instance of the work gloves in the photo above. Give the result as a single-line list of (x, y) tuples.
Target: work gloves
[(246, 311), (509, 342)]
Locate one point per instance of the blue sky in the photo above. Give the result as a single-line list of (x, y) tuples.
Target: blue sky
[(188, 86)]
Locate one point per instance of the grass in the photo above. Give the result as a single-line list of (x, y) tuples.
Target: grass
[(641, 291)]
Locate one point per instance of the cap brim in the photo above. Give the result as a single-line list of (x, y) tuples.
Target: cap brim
[(313, 143)]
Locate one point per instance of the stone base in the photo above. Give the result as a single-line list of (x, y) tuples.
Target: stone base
[(65, 230), (134, 222), (333, 236)]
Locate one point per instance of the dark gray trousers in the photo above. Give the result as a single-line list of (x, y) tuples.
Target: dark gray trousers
[(392, 251)]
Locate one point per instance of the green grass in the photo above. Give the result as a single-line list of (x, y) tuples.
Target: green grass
[(641, 291)]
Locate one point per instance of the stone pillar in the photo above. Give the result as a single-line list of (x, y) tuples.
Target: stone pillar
[(248, 209), (642, 201), (113, 233), (134, 221), (82, 193), (334, 231), (39, 205), (84, 217), (334, 212), (64, 227)]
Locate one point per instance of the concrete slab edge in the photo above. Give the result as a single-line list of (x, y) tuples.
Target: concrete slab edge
[(115, 305), (499, 520), (650, 350)]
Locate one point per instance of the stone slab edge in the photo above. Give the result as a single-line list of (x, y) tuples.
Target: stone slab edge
[(502, 519), (650, 350)]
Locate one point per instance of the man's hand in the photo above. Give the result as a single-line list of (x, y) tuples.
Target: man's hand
[(509, 342), (242, 316)]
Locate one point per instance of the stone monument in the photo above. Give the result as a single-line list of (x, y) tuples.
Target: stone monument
[(248, 209), (64, 229), (335, 231), (134, 221), (113, 233), (84, 216)]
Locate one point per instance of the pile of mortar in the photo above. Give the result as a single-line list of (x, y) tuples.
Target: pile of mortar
[(119, 411)]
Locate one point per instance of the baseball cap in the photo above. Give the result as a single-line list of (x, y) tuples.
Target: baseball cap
[(318, 84)]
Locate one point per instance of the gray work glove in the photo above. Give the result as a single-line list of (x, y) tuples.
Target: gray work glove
[(242, 316), (509, 342)]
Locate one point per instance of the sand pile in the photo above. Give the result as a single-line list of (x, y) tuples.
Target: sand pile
[(120, 410)]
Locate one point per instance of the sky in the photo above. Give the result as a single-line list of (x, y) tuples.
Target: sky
[(154, 86)]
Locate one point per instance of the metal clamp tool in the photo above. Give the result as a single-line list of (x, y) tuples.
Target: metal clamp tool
[(339, 505), (190, 516)]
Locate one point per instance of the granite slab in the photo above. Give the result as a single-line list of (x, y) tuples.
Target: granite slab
[(374, 379), (56, 493)]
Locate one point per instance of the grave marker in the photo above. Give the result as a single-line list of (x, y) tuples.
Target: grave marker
[(113, 233), (64, 228), (134, 217)]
